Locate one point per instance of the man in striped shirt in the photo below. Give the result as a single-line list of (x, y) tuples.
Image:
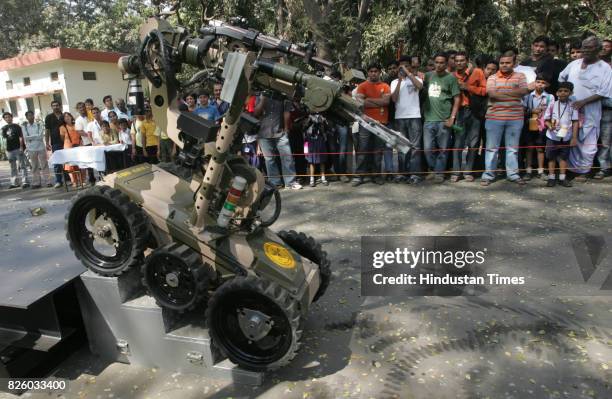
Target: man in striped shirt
[(504, 118)]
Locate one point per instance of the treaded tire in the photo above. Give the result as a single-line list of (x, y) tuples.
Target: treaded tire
[(307, 247), (226, 333), (131, 221), (195, 276)]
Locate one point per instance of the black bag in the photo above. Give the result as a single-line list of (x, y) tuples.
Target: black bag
[(478, 104)]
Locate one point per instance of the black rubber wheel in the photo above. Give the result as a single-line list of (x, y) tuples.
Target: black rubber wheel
[(255, 323), (106, 231), (176, 277), (307, 247)]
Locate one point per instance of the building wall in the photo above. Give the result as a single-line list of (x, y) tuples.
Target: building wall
[(70, 84), (108, 81), (40, 90)]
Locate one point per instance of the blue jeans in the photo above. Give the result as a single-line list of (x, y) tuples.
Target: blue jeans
[(58, 169), (369, 157), (436, 138), (604, 155), (412, 129), (511, 132), (280, 146), (469, 139), (343, 141)]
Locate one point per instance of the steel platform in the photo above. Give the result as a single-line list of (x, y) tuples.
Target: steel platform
[(125, 325), (39, 321)]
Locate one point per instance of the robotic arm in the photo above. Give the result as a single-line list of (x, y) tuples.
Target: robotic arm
[(229, 49)]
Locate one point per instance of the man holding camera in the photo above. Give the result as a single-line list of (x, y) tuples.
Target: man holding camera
[(405, 94)]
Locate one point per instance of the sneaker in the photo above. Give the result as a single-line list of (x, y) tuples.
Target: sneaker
[(325, 182), (313, 183), (599, 175), (57, 185), (356, 182), (13, 186), (380, 181), (552, 182), (566, 183), (468, 178), (454, 178), (439, 179), (295, 186)]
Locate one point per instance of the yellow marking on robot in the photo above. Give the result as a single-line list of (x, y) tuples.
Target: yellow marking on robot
[(279, 255), (132, 171)]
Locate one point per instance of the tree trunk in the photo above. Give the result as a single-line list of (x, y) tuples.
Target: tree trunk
[(280, 28), (318, 16), (353, 52)]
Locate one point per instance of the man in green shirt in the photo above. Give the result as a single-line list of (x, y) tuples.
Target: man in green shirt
[(441, 107)]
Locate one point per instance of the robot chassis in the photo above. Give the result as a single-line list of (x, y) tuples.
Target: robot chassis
[(196, 228)]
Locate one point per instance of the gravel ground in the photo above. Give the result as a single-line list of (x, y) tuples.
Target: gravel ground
[(522, 346)]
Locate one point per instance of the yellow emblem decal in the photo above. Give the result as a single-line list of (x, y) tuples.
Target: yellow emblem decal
[(279, 255)]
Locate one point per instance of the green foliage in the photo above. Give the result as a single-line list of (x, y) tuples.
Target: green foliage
[(425, 26)]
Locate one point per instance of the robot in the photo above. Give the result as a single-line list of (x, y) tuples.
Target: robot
[(197, 230)]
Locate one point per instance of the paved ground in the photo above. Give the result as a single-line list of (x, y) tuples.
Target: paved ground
[(530, 346)]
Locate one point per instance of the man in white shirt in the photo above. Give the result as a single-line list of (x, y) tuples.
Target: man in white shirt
[(81, 122), (94, 128), (592, 79), (121, 110), (108, 104), (36, 151), (405, 94)]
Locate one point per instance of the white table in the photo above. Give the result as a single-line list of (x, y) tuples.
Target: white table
[(85, 157)]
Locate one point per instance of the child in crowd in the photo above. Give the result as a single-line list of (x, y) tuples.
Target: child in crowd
[(562, 122), (535, 104), (108, 137), (249, 150), (125, 137), (315, 147)]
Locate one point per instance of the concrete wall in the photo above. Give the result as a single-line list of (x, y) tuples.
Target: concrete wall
[(41, 88), (70, 84), (108, 81)]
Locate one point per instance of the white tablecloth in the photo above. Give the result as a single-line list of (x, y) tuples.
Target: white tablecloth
[(85, 157)]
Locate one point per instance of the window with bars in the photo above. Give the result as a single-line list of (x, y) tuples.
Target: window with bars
[(89, 75), (54, 76), (26, 81)]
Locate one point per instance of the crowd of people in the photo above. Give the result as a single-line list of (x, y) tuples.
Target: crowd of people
[(466, 118)]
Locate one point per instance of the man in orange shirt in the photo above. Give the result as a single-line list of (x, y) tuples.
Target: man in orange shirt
[(376, 95), (473, 87)]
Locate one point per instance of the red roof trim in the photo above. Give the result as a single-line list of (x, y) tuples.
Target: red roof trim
[(58, 53)]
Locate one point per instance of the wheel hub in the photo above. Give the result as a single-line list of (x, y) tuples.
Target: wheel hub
[(254, 324), (172, 280)]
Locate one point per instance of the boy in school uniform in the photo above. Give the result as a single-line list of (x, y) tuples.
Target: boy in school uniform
[(562, 122), (535, 104)]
